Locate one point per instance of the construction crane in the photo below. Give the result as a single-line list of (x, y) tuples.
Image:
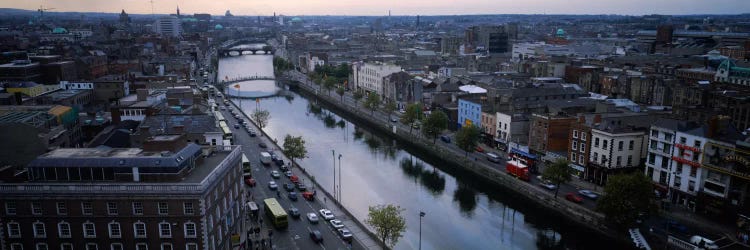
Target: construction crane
[(42, 10)]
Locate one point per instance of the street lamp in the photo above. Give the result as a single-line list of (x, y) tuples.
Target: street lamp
[(421, 214), (333, 153), (340, 192)]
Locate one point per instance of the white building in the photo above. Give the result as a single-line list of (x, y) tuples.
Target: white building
[(168, 26), (616, 147), (369, 76), (512, 128), (686, 173), (76, 85)]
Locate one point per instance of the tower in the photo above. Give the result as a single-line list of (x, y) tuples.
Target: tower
[(178, 11)]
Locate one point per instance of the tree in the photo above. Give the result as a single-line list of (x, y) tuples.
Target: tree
[(372, 102), (388, 223), (358, 96), (329, 83), (340, 90), (626, 197), (294, 147), (261, 116), (390, 106), (467, 138), (559, 172), (413, 113), (434, 124)]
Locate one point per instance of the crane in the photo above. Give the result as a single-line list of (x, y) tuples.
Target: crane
[(42, 10)]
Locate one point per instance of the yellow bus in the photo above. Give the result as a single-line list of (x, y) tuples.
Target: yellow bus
[(225, 129), (276, 213)]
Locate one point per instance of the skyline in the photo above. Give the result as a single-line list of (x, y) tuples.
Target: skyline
[(400, 8)]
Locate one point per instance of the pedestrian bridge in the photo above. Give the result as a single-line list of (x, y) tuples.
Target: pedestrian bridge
[(228, 81)]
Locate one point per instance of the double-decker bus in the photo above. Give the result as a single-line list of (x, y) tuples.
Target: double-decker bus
[(276, 213)]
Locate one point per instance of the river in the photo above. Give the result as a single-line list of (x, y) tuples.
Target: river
[(462, 212)]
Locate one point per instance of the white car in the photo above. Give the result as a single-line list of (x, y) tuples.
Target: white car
[(337, 224), (326, 214), (701, 241), (313, 218)]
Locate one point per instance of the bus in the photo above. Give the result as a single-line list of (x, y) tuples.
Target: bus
[(245, 163), (225, 129), (219, 116), (276, 213)]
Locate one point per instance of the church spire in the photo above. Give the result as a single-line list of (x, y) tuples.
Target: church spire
[(178, 10)]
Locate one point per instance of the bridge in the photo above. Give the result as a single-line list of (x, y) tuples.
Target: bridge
[(228, 81), (228, 47)]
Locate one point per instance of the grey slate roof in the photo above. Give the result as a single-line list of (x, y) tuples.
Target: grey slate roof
[(109, 157), (193, 123)]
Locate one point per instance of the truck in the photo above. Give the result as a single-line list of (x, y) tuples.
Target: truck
[(265, 158), (517, 169)]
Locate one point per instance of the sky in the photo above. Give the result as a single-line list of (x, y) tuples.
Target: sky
[(397, 7)]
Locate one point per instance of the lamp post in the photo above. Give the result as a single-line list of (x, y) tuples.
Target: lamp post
[(421, 214), (340, 192), (333, 153)]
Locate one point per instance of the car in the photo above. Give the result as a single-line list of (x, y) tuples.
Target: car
[(703, 242), (294, 179), (402, 111), (284, 168), (236, 126), (279, 162), (252, 132), (548, 185), (316, 236), (573, 197), (262, 145), (275, 174), (445, 138), (301, 186), (479, 149), (310, 196), (345, 234), (293, 196), (326, 214), (288, 187), (675, 226), (336, 224), (313, 218), (250, 182), (272, 185), (394, 119), (588, 194), (288, 174), (493, 157), (415, 125), (294, 212)]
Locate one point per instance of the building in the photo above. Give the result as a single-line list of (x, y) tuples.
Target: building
[(470, 111), (168, 195), (492, 39), (29, 131), (489, 127), (20, 70), (549, 133), (168, 26), (614, 147), (369, 76), (108, 89), (29, 89), (579, 150), (75, 98), (728, 72), (401, 88), (200, 129), (311, 60), (511, 128), (449, 45)]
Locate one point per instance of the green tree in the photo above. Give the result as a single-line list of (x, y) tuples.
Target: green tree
[(372, 102), (626, 196), (329, 83), (413, 113), (388, 223), (261, 116), (434, 124), (340, 91), (358, 95), (317, 79), (389, 107), (294, 147), (467, 138), (557, 173)]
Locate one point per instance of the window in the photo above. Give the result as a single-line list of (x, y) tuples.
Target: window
[(631, 145), (618, 161), (583, 136), (14, 230), (137, 208), (573, 156), (697, 144), (41, 246), (61, 208), (116, 246), (166, 246), (575, 133), (654, 133), (190, 230), (596, 156), (575, 145), (583, 147), (604, 144), (187, 207), (693, 171), (141, 246), (114, 230), (691, 185), (139, 229), (16, 246), (630, 160), (683, 140), (651, 158), (163, 208), (191, 246), (596, 142), (86, 208), (89, 230), (580, 159), (92, 246), (620, 145), (63, 229), (36, 208), (112, 208), (653, 144), (10, 207), (165, 230), (66, 246), (39, 230)]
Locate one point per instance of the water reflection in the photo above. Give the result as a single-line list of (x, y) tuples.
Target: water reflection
[(431, 179), (548, 239), (466, 198)]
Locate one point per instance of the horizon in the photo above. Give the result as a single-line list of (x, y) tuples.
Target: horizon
[(400, 8)]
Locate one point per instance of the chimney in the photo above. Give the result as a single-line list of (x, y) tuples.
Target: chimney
[(713, 127), (178, 129), (597, 119), (582, 119)]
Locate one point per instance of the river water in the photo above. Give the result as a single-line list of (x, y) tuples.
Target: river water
[(462, 212)]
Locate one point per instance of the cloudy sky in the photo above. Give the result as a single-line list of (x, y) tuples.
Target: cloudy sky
[(397, 7)]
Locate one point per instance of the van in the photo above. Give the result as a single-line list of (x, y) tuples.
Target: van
[(252, 208), (493, 157), (445, 138), (265, 158), (703, 242)]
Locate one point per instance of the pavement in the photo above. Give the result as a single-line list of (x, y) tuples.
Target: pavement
[(698, 224), (296, 236)]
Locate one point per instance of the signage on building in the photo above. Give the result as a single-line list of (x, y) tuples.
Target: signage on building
[(737, 159)]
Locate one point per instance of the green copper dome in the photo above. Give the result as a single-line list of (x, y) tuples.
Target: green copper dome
[(59, 30)]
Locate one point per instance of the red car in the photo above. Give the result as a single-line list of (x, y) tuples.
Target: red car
[(573, 197), (250, 182), (479, 149)]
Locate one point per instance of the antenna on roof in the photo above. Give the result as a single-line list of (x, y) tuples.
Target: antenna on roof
[(152, 7)]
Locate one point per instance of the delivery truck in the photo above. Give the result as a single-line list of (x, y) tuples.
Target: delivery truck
[(517, 169)]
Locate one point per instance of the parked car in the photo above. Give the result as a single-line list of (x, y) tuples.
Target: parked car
[(445, 138), (236, 126), (345, 234), (703, 242), (479, 149), (313, 218), (326, 214), (316, 236), (294, 212), (288, 174), (262, 145), (548, 185), (573, 197), (250, 182), (252, 133), (337, 224), (394, 119), (293, 196), (288, 187), (301, 186), (284, 168), (272, 185), (493, 157), (275, 174), (588, 194)]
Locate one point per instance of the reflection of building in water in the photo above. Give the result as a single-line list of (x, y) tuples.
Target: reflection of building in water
[(252, 89)]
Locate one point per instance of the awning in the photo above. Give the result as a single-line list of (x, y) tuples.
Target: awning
[(524, 154), (576, 167)]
